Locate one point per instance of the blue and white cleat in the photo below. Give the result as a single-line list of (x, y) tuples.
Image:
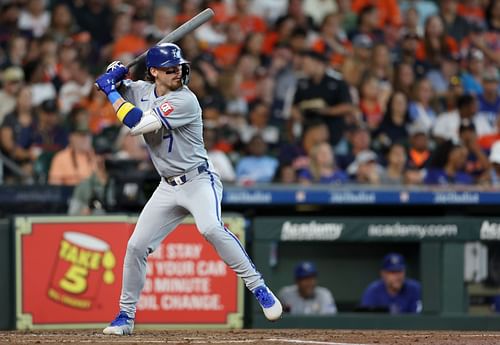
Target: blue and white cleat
[(121, 325), (270, 304)]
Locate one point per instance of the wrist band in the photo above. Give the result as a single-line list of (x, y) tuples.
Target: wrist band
[(113, 96)]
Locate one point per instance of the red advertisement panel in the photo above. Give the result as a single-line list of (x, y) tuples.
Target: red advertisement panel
[(71, 273)]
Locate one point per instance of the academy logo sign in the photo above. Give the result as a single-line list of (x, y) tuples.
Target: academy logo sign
[(413, 230), (489, 231), (311, 231)]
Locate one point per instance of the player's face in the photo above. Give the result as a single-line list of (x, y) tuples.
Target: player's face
[(393, 280), (306, 286), (169, 77)]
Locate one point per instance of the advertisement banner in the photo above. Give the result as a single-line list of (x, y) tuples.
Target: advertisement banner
[(381, 229), (69, 274)]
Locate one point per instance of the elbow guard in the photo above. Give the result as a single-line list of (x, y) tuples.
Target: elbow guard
[(148, 123), (129, 115)]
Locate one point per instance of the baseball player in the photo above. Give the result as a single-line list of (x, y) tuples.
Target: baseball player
[(168, 115)]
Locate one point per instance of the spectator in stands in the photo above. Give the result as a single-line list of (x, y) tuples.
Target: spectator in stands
[(436, 44), (473, 73), (12, 80), (357, 65), (358, 139), (257, 167), (447, 166), (134, 42), (286, 174), (77, 88), (493, 176), (258, 123), (448, 124), (93, 194), (393, 127), (296, 12), (477, 162), (455, 25), (347, 15), (404, 78), (418, 150), (220, 160), (322, 167), (365, 168), (16, 52), (407, 49), (368, 24), (321, 96), (421, 110), (394, 173), (34, 19), (226, 54), (394, 292), (319, 9), (424, 8), (305, 297), (489, 99), (247, 21), (9, 13), (333, 41), (370, 102), (76, 162), (163, 23), (128, 147), (15, 129), (388, 11), (440, 79), (62, 25)]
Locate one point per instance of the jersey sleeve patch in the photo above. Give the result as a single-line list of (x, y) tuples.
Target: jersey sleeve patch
[(166, 108)]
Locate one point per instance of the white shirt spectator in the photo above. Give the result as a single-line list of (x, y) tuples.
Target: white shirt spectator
[(222, 165), (38, 25), (448, 124)]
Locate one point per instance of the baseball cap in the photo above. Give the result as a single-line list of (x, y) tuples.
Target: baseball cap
[(13, 73), (49, 106), (362, 41), (314, 55), (476, 54), (305, 269), (393, 262), (101, 144), (362, 157), (417, 128), (491, 74), (495, 152)]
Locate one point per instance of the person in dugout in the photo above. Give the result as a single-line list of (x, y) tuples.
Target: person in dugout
[(393, 292)]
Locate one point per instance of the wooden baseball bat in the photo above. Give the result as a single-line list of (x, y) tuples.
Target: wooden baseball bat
[(180, 32)]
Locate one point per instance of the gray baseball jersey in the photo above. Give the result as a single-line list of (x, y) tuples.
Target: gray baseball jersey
[(178, 146), (322, 303), (176, 149)]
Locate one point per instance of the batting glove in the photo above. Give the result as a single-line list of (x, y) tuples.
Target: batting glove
[(117, 70), (106, 83)]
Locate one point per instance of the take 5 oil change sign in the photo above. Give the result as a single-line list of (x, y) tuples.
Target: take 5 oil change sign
[(69, 274)]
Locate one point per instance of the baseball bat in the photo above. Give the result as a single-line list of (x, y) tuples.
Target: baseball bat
[(192, 24)]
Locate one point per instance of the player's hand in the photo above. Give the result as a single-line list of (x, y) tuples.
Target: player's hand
[(117, 70), (106, 83)]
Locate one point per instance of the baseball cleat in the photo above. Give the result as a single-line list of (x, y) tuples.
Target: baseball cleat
[(121, 325), (270, 304)]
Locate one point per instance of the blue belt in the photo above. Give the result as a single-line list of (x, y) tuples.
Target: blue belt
[(181, 179)]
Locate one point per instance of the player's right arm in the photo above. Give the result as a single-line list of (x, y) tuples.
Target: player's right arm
[(139, 122)]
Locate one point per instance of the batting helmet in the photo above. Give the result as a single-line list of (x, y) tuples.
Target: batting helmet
[(164, 55)]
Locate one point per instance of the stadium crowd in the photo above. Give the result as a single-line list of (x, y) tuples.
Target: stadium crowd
[(292, 91)]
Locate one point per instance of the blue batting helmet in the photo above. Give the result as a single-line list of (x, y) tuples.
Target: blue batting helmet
[(164, 55)]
